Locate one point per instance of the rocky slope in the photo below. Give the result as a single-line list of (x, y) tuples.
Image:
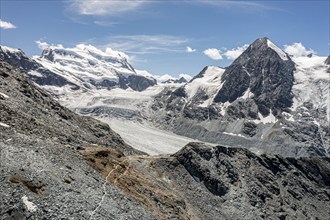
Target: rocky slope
[(202, 182), (63, 70), (42, 174), (265, 100), (58, 165)]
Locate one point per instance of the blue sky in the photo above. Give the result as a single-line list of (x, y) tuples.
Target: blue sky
[(156, 34)]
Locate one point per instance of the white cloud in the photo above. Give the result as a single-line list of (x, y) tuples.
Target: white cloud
[(235, 52), (186, 76), (6, 25), (41, 44), (105, 7), (298, 50), (213, 53), (147, 44), (163, 78), (190, 50)]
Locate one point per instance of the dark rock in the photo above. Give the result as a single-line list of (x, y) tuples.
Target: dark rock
[(181, 80), (249, 128), (243, 185), (140, 83), (327, 61), (269, 77)]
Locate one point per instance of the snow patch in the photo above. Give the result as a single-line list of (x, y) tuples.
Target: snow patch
[(280, 52), (35, 73), (232, 134), (311, 83), (210, 83), (316, 122), (224, 107), (29, 205), (288, 116), (4, 125), (247, 94), (269, 119), (4, 95)]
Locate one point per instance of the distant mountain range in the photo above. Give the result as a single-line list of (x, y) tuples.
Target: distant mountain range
[(266, 100)]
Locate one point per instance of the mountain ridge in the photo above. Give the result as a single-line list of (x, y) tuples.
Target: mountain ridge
[(81, 68), (263, 100)]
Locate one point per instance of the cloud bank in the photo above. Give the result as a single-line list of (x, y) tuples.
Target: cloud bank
[(298, 50)]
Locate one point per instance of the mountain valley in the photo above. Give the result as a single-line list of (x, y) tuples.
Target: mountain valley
[(86, 136)]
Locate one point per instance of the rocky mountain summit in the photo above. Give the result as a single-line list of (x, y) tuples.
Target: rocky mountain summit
[(265, 100)]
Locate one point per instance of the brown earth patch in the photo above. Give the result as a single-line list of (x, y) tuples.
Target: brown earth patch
[(33, 187), (135, 176)]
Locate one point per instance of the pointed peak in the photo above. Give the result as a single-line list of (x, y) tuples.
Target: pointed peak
[(265, 43), (264, 40)]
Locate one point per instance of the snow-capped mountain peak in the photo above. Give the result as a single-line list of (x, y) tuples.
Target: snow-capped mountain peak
[(82, 67), (207, 82), (87, 53)]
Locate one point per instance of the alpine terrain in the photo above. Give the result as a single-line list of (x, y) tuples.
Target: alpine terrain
[(249, 141), (265, 100)]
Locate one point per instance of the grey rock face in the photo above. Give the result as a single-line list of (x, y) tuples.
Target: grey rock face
[(140, 83), (269, 77), (327, 61), (181, 80), (232, 183), (42, 173)]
